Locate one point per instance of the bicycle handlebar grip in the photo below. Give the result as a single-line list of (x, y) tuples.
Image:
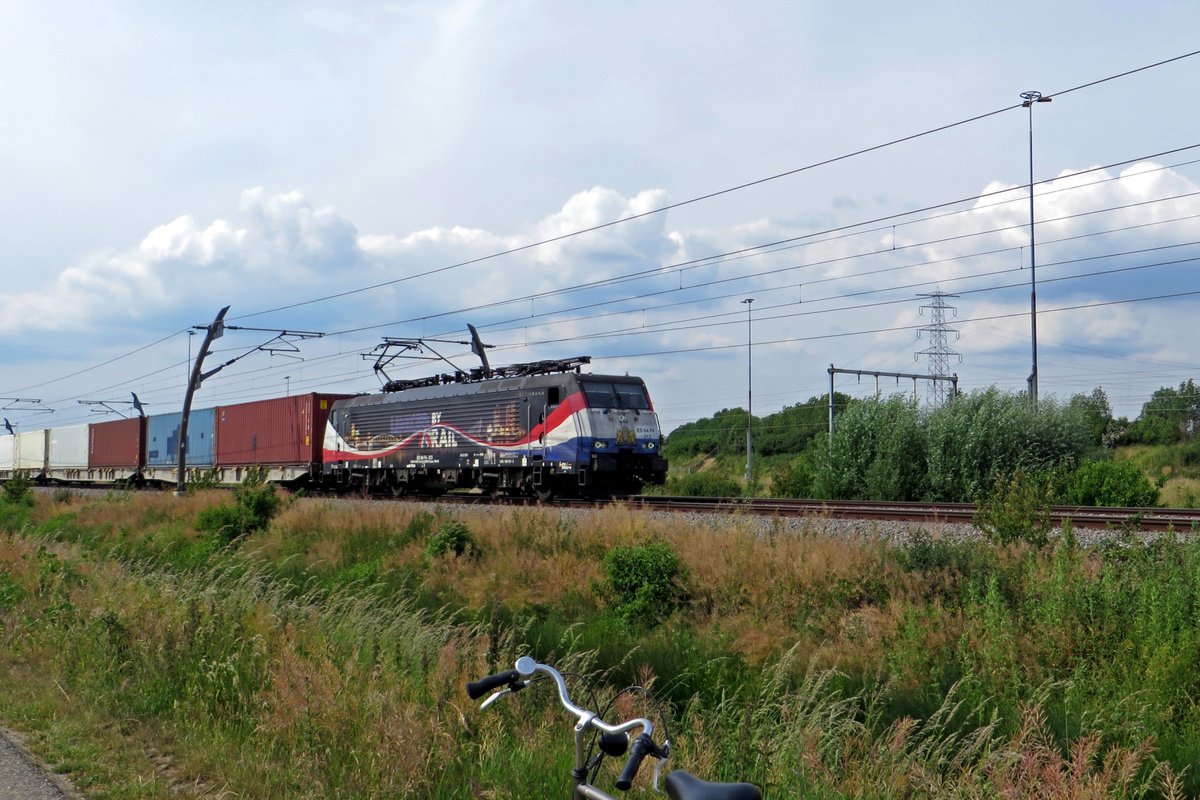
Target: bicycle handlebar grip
[(477, 689), (642, 747)]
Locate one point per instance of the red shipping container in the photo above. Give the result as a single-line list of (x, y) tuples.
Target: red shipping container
[(118, 443), (284, 430)]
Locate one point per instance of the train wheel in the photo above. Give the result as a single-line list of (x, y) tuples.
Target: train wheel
[(544, 493)]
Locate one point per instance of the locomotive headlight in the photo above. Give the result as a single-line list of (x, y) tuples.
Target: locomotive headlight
[(649, 445), (599, 445)]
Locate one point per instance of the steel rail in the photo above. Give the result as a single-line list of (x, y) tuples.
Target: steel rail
[(1103, 517), (1147, 519)]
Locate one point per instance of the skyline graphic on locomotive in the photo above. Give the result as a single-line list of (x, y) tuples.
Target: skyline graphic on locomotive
[(559, 433)]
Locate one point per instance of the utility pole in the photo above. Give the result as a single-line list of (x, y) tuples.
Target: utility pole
[(213, 331), (1028, 99), (749, 392)]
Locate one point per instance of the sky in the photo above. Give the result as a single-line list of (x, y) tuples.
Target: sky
[(402, 169)]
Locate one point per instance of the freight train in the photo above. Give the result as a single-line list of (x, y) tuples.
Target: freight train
[(540, 429)]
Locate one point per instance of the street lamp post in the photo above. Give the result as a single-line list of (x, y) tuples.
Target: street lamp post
[(749, 392), (1028, 99)]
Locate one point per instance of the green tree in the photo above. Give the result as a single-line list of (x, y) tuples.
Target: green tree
[(877, 453), (1096, 412), (723, 433), (984, 436), (793, 428), (1170, 415)]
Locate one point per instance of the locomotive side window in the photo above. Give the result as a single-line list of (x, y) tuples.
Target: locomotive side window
[(602, 394)]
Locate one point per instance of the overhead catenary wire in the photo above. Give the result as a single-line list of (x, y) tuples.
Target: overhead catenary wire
[(233, 393), (813, 237), (676, 205), (718, 193)]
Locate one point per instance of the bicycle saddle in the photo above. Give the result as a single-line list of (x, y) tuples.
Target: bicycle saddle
[(682, 786)]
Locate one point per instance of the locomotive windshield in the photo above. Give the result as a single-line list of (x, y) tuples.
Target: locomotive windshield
[(608, 394)]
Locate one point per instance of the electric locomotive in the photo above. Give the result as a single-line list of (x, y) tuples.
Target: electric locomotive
[(543, 428)]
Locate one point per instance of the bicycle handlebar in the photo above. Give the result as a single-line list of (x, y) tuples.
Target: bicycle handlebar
[(519, 677), (642, 747), (477, 689)]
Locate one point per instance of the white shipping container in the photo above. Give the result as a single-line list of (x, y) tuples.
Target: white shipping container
[(31, 450), (7, 443), (69, 447)]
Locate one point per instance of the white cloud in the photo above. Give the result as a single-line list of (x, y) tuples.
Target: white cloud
[(281, 249)]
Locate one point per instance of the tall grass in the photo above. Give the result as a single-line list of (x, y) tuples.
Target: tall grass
[(325, 656)]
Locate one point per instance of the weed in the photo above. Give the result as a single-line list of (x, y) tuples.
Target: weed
[(296, 668), (11, 592)]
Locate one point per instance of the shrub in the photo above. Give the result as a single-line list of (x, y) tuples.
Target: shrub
[(1018, 509), (704, 484), (1110, 483), (645, 583), (255, 502), (202, 480), (977, 440), (18, 490), (452, 537), (795, 479)]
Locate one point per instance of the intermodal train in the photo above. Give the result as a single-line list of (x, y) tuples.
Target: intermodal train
[(539, 429)]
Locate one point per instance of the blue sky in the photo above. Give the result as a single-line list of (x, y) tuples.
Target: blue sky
[(162, 162)]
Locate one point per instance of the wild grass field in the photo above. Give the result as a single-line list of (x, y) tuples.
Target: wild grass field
[(322, 653)]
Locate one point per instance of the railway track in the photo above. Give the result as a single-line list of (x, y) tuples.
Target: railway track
[(1144, 519), (1116, 518), (1181, 520)]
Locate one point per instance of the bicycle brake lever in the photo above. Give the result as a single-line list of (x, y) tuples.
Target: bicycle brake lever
[(493, 698), (658, 762), (516, 687)]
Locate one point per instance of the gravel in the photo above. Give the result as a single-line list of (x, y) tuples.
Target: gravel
[(894, 532), (22, 779)]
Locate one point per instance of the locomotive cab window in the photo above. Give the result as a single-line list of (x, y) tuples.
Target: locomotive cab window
[(604, 394)]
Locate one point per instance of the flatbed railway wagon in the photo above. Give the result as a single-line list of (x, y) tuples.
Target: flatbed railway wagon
[(280, 439), (540, 429)]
